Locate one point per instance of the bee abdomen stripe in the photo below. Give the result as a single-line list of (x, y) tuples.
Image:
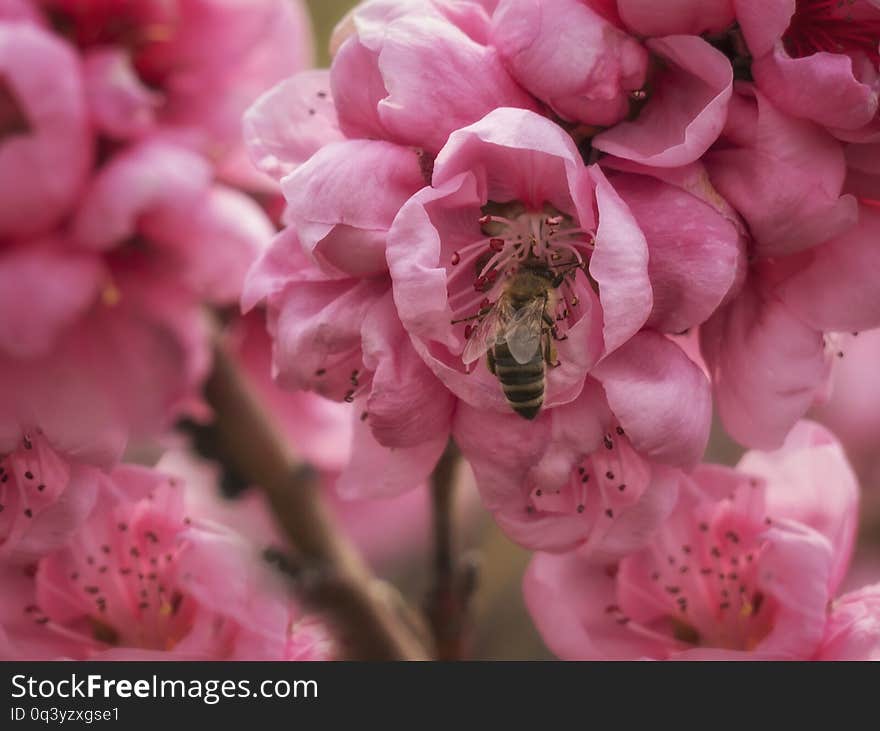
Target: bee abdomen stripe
[(527, 405), (533, 370), (535, 394)]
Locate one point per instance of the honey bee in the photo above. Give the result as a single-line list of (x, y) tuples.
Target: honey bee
[(517, 335)]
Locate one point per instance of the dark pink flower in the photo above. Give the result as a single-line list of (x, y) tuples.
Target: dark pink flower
[(743, 569)]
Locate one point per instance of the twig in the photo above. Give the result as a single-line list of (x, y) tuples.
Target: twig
[(348, 594), (446, 604)]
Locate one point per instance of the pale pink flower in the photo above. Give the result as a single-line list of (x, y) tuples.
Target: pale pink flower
[(744, 568), (45, 142), (513, 186), (817, 60), (143, 580)]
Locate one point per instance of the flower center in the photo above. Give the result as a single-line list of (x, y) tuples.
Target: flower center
[(511, 236), (830, 25)]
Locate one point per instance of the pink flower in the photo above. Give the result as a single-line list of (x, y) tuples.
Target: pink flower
[(538, 44), (743, 569), (45, 148), (412, 72), (512, 189), (816, 60), (144, 581)]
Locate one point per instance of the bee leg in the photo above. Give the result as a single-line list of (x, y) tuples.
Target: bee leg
[(550, 356), (490, 362), (556, 336)]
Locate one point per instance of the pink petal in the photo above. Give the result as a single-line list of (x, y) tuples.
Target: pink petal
[(767, 367), (44, 164), (150, 178), (763, 23), (695, 17), (853, 631), (821, 87), (120, 104), (539, 46), (567, 598), (619, 266), (343, 200), (695, 252), (381, 472), (786, 182), (836, 288), (686, 110), (661, 398), (407, 404), (43, 289), (809, 480), (290, 122)]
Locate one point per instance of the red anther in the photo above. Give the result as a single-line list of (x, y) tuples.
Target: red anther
[(456, 258), (485, 304), (468, 331), (480, 283), (492, 275), (485, 219), (496, 244)]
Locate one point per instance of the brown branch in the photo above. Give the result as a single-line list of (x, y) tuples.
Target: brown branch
[(446, 604), (345, 590)]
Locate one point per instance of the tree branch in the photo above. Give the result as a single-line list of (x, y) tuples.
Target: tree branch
[(347, 592), (446, 604)]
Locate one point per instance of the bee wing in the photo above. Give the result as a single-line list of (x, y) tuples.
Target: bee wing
[(523, 333), (486, 333)]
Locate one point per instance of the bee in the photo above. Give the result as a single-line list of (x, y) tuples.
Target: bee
[(517, 335)]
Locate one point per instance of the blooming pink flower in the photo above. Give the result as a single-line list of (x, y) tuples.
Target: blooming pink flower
[(743, 569), (513, 186), (812, 272), (45, 148), (816, 60), (144, 581)]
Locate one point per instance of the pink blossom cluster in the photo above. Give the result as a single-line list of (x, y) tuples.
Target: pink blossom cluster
[(127, 206), (690, 190)]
